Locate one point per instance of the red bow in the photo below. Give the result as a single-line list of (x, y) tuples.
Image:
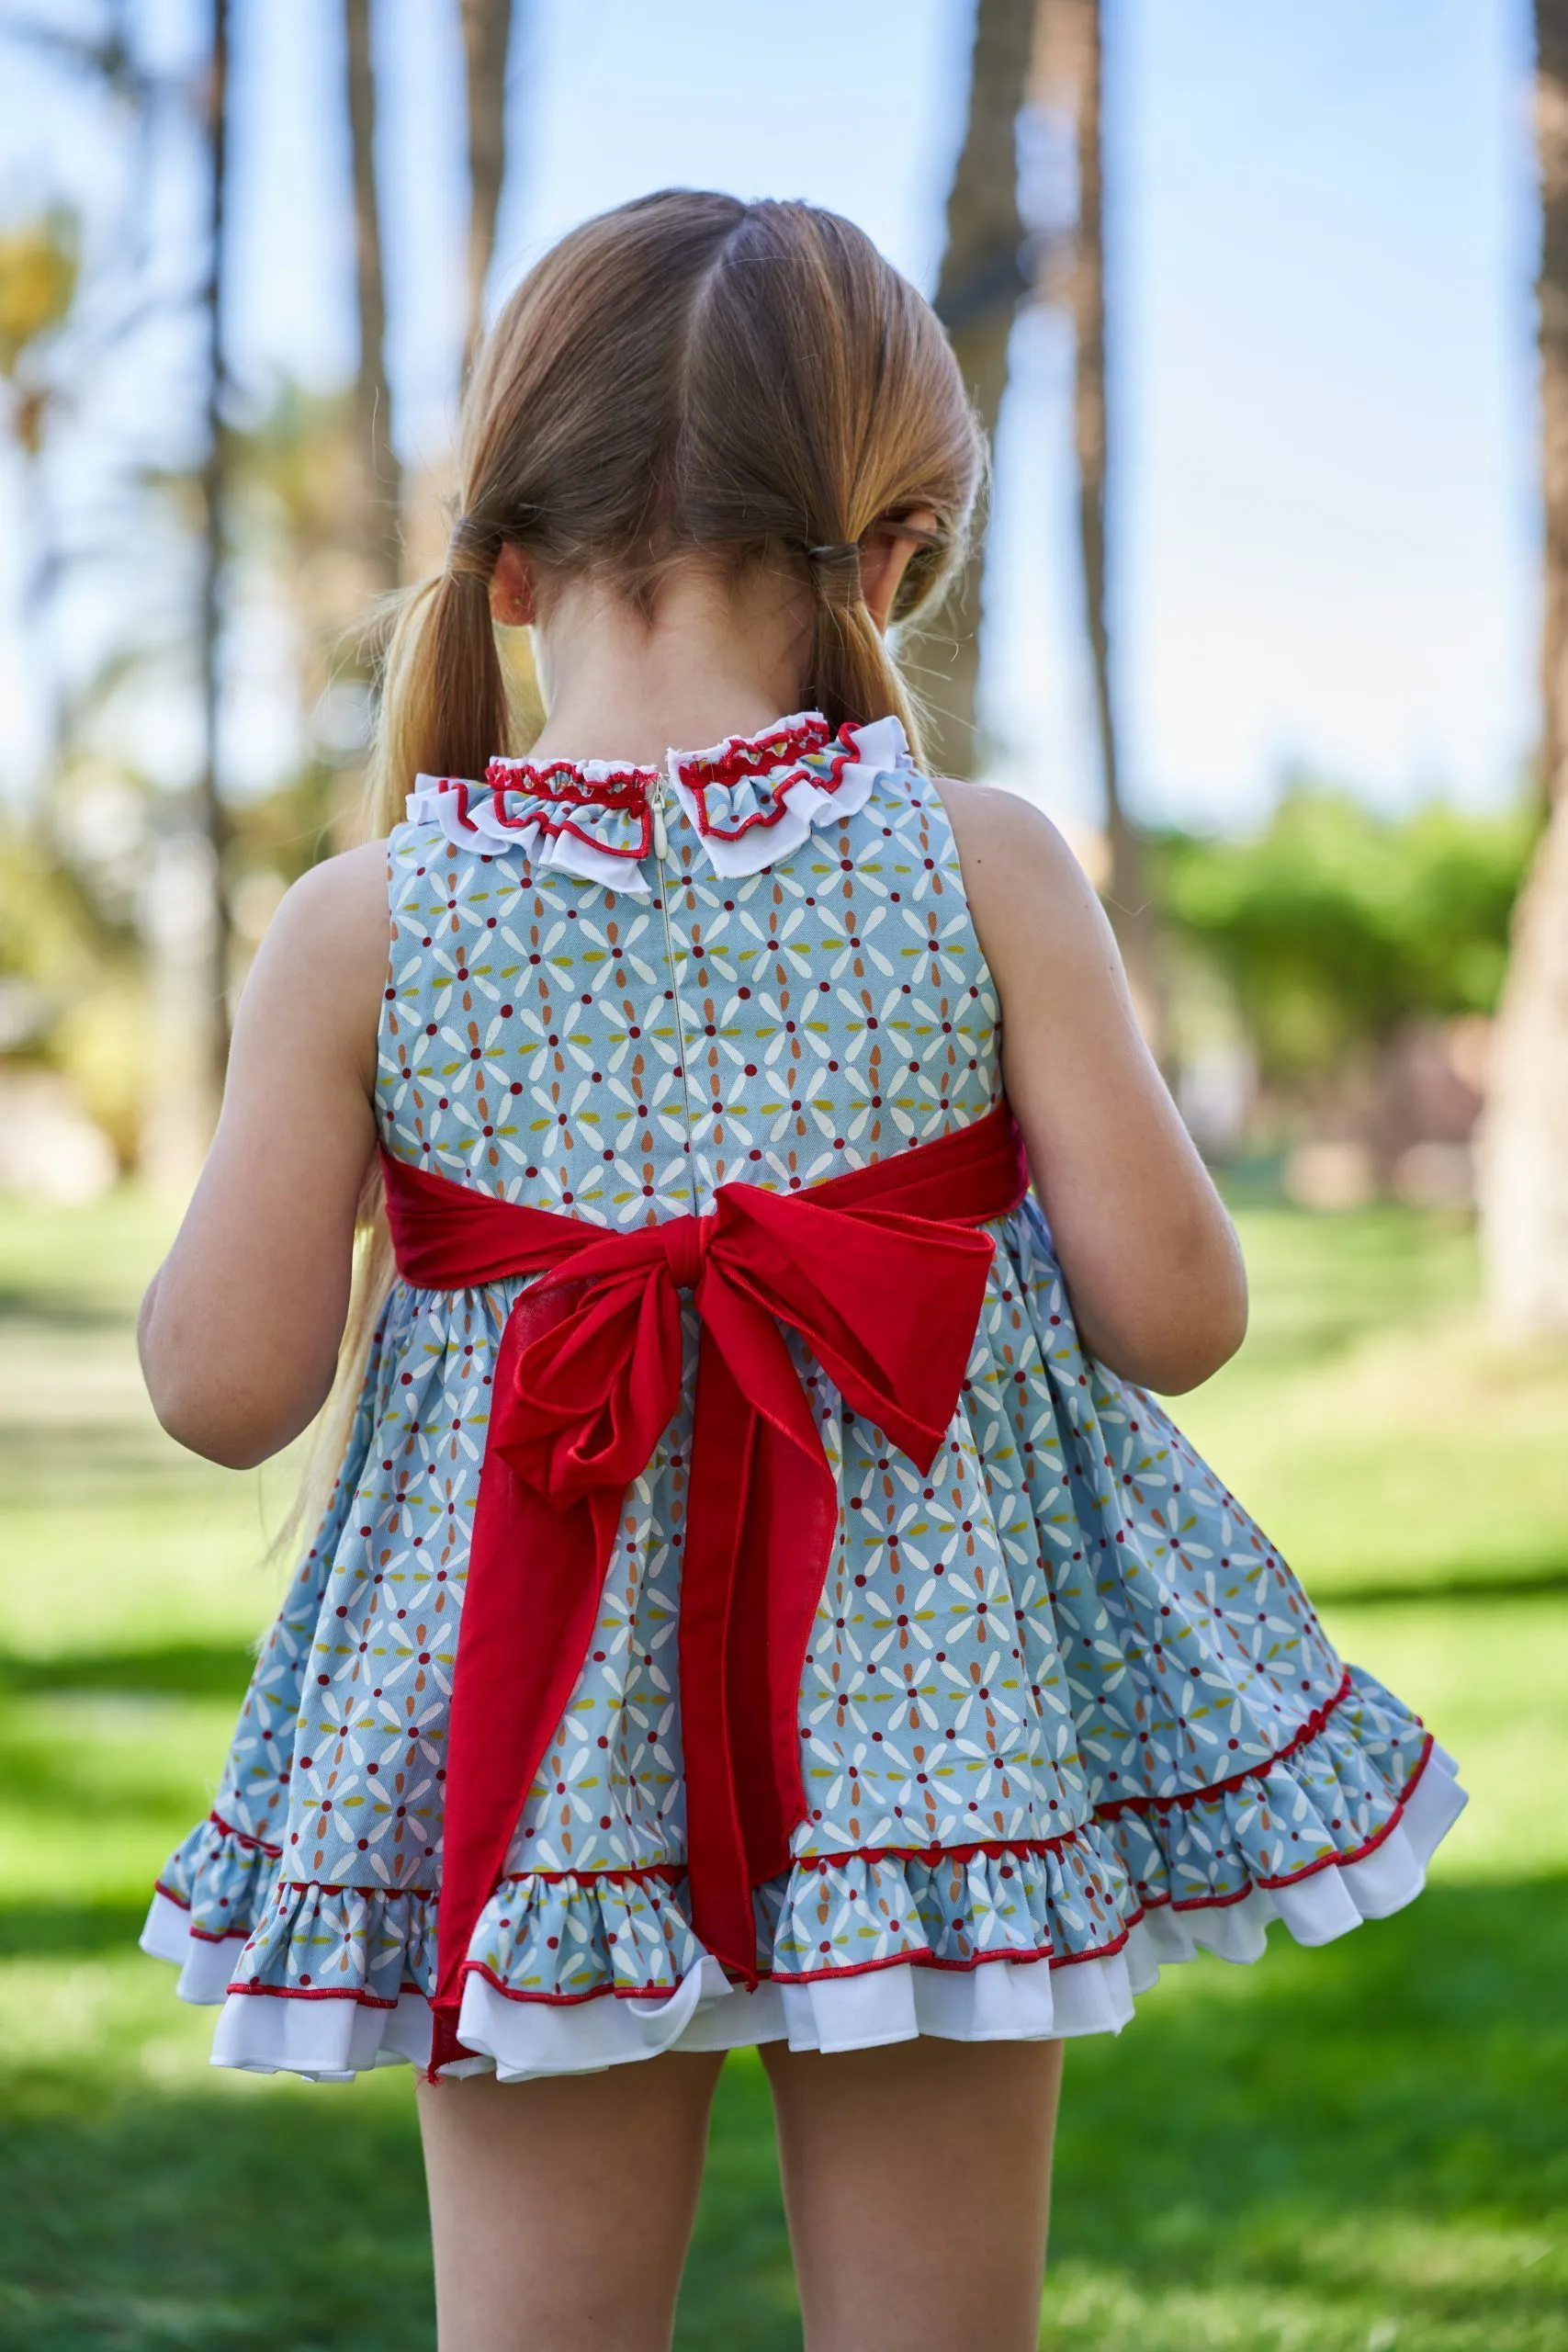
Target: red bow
[(878, 1272)]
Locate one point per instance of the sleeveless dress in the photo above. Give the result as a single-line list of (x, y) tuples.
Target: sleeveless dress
[(1066, 1715)]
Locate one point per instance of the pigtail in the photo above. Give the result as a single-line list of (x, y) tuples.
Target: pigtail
[(853, 677), (446, 710), (444, 704)]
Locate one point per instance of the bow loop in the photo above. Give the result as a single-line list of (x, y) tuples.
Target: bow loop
[(590, 1381), (895, 1340)]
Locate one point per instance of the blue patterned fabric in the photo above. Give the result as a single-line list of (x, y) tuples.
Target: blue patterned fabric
[(1058, 1685)]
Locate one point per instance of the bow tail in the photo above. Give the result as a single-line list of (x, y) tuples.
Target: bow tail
[(531, 1602), (759, 1538)]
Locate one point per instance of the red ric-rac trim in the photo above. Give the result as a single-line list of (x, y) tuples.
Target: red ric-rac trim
[(740, 758), (1185, 1799), (619, 787), (575, 791)]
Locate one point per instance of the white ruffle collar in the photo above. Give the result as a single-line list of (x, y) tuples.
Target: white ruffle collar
[(750, 799)]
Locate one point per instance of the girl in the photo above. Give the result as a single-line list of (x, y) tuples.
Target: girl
[(759, 1602)]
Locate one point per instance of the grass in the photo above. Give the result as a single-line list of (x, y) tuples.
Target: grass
[(1362, 2149)]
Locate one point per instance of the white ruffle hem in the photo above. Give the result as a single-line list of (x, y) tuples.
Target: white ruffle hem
[(331, 2039)]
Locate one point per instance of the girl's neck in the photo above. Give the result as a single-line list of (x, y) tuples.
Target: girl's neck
[(714, 661)]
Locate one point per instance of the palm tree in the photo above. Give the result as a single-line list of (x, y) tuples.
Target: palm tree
[(1524, 1144), (984, 278), (382, 513), (1070, 69), (487, 32), (211, 815)]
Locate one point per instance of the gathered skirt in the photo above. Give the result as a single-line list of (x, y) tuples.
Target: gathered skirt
[(1067, 1716)]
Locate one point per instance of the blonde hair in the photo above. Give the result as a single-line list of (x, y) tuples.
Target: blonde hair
[(688, 377)]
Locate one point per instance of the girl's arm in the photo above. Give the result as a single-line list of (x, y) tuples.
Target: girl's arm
[(1149, 1255), (239, 1332)]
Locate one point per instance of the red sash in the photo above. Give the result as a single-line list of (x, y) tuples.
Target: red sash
[(878, 1272)]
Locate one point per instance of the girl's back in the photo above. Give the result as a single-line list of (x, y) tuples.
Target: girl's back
[(624, 1051), (759, 1602)]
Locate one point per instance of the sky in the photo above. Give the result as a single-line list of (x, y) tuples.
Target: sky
[(1320, 239)]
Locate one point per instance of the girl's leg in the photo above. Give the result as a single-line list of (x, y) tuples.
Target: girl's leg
[(561, 2210), (918, 2182)]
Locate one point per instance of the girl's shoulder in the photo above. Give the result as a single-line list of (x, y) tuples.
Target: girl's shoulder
[(1025, 888), (321, 970), (336, 912)]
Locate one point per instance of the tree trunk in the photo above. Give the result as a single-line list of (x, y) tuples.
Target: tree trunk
[(983, 278), (382, 484), (211, 818), (1524, 1140), (486, 30), (1077, 44)]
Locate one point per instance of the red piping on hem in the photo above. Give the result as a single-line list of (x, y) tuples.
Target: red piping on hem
[(933, 1854), (912, 1959), (669, 1873), (908, 1960), (1338, 1861), (570, 2001), (242, 1837), (338, 1886), (1312, 1728), (315, 1993), (1294, 1878)]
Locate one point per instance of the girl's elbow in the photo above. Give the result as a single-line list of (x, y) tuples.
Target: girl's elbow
[(1195, 1330), (1185, 1359), (226, 1413), (231, 1432)]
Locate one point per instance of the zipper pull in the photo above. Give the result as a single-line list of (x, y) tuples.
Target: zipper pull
[(660, 833)]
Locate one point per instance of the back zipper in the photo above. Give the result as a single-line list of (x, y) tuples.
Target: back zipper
[(661, 851)]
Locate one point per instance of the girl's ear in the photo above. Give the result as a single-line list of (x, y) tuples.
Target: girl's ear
[(512, 588), (885, 558)]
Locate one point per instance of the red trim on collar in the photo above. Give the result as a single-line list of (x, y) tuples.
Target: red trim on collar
[(740, 756), (743, 758), (561, 782), (619, 787)]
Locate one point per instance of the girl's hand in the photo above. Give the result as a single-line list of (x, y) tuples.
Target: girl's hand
[(238, 1331), (1150, 1257)]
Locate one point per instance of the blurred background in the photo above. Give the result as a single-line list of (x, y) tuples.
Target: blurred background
[(1266, 307)]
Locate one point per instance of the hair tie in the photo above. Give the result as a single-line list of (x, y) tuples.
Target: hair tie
[(835, 572), (472, 549)]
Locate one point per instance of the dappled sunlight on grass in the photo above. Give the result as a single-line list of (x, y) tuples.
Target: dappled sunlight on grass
[(1372, 1423), (1359, 2148)]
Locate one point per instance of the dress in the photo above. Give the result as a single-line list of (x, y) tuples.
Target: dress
[(1065, 1713)]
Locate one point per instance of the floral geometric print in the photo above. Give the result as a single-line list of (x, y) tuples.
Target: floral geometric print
[(1061, 1689)]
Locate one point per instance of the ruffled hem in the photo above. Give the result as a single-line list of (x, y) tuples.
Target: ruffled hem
[(218, 1880), (336, 2028)]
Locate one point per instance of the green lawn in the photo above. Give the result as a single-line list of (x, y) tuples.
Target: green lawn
[(1351, 2150)]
